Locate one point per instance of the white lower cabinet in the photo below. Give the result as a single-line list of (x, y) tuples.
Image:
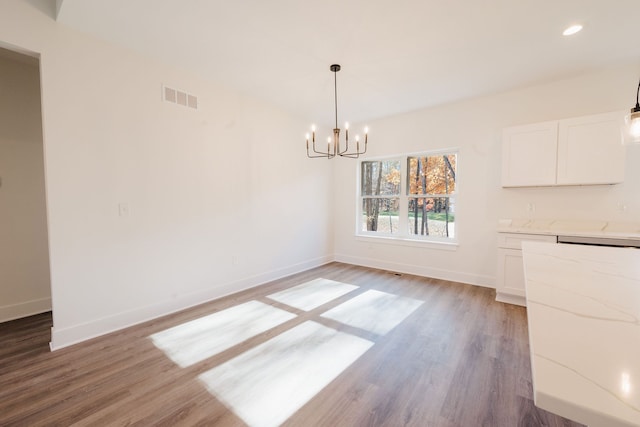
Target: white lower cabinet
[(510, 286)]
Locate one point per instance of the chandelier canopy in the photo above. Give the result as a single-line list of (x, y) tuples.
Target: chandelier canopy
[(333, 144)]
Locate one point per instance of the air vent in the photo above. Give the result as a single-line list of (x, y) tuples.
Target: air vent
[(192, 101), (179, 97)]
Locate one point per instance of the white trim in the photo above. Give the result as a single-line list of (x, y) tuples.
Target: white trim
[(420, 270), (61, 338), (443, 245), (24, 309), (511, 299), (413, 154)]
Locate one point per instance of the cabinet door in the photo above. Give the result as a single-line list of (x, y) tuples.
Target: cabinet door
[(590, 150), (510, 285), (529, 155), (510, 272)]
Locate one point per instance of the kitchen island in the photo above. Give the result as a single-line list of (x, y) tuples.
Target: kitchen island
[(583, 308)]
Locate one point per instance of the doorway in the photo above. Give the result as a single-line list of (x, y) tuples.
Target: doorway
[(25, 283)]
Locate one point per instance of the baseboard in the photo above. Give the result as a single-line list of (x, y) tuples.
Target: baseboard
[(420, 270), (65, 337), (24, 309), (511, 299)]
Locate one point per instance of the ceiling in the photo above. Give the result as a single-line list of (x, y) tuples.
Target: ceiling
[(396, 56)]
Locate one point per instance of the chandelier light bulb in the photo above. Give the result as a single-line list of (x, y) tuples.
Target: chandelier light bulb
[(626, 384), (572, 30), (346, 125)]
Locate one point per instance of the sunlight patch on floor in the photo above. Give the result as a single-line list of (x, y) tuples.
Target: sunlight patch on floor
[(207, 336), (312, 294), (374, 311), (267, 384)]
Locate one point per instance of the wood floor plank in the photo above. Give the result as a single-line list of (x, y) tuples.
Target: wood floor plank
[(459, 359)]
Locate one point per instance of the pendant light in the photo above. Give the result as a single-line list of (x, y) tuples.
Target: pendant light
[(333, 144), (631, 131)]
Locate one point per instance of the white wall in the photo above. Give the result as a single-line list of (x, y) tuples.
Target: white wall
[(24, 256), (219, 199), (475, 126)]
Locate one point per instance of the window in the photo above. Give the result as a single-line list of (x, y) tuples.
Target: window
[(409, 197), (380, 188)]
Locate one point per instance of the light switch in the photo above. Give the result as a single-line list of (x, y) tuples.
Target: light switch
[(622, 207), (123, 209)]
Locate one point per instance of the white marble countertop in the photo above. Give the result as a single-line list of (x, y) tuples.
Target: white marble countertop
[(582, 228), (583, 308)]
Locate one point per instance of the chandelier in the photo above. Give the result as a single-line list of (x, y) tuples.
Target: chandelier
[(333, 146)]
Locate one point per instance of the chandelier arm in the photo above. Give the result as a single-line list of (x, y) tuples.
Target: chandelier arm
[(638, 98), (322, 153), (346, 148), (317, 157), (346, 142), (357, 152), (313, 139), (353, 155), (316, 151)]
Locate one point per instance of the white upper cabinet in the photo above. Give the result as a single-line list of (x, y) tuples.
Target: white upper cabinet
[(529, 155), (579, 151), (590, 150)]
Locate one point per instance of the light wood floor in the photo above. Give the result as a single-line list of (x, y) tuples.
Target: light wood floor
[(461, 359)]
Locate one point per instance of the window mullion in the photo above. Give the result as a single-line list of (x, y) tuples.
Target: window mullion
[(403, 209)]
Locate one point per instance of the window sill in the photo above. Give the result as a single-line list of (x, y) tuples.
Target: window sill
[(416, 243)]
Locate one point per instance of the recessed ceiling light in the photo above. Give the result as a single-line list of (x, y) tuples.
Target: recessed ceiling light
[(572, 30)]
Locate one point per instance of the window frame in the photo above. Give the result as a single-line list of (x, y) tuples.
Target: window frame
[(403, 236)]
